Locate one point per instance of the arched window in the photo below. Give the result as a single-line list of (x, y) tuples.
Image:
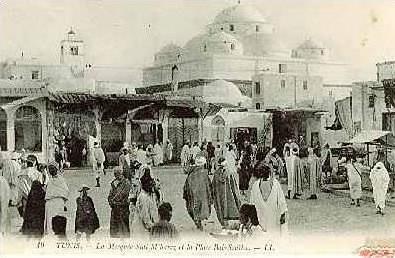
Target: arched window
[(218, 129), (28, 129), (3, 130)]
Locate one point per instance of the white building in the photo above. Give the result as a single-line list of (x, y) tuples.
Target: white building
[(237, 45), (71, 74)]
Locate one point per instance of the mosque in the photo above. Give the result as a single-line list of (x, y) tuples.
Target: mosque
[(238, 45), (239, 60)]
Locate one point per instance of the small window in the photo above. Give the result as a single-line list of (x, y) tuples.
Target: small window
[(330, 93), (231, 27), (205, 48), (74, 51), (282, 68), (282, 84), (322, 52), (305, 85), (257, 88), (232, 46), (257, 28), (222, 28), (35, 75), (258, 105)]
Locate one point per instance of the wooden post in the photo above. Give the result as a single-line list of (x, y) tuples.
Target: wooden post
[(368, 154)]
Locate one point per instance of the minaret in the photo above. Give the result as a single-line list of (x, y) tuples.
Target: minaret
[(72, 50)]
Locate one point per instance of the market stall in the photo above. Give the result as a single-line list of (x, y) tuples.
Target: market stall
[(375, 140)]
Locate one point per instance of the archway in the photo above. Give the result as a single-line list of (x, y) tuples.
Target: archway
[(218, 129), (28, 129)]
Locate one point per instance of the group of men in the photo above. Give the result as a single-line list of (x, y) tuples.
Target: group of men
[(304, 169)]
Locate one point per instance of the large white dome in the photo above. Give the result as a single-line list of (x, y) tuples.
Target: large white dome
[(213, 43), (240, 14)]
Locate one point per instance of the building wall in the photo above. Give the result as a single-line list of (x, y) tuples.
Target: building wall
[(337, 91), (283, 89), (190, 70), (385, 70), (365, 116), (40, 105), (230, 67)]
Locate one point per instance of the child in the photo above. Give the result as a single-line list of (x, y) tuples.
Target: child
[(86, 220), (249, 223), (59, 224)]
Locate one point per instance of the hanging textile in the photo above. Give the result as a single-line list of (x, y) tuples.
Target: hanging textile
[(343, 119)]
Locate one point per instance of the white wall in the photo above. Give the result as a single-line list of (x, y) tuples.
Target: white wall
[(272, 94)]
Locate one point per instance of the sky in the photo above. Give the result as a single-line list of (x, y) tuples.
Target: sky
[(124, 34)]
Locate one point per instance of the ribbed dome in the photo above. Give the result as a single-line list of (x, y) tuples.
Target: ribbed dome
[(215, 43), (240, 14)]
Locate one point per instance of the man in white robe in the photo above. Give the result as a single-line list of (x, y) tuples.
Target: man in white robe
[(380, 180), (169, 151), (158, 157), (141, 155), (195, 150), (272, 208), (185, 154), (291, 172)]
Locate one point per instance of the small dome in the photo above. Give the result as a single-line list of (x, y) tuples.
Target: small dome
[(221, 91), (170, 48), (216, 43), (240, 14), (310, 44), (310, 49), (168, 54)]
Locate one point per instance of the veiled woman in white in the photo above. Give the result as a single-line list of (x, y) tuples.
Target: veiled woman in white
[(158, 157), (380, 180), (56, 196), (269, 200)]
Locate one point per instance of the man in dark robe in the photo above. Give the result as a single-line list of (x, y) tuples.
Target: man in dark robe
[(225, 193), (119, 203), (197, 193)]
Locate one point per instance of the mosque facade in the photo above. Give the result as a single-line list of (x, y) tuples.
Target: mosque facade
[(241, 47)]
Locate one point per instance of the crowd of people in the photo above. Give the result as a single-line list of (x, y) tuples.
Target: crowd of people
[(38, 192), (241, 183), (243, 190)]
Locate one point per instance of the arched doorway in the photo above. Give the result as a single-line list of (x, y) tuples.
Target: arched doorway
[(75, 128), (145, 127), (113, 134), (3, 130), (218, 129), (28, 129)]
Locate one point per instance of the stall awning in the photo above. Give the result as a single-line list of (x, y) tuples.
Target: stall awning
[(20, 102), (374, 137)]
